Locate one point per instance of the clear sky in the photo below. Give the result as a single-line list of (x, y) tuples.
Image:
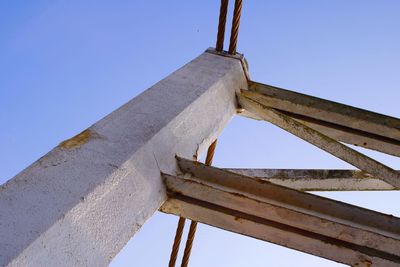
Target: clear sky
[(66, 64)]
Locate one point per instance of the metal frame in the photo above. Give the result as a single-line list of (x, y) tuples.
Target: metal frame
[(318, 180), (254, 207), (338, 121), (269, 204), (257, 104)]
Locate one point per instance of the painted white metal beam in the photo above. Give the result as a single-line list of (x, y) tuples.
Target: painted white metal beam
[(352, 137), (79, 204), (338, 121), (324, 142), (302, 221), (318, 179)]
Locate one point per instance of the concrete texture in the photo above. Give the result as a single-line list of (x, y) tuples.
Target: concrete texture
[(79, 204)]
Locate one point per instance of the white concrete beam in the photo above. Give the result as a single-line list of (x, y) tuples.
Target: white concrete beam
[(320, 140), (302, 221), (79, 204)]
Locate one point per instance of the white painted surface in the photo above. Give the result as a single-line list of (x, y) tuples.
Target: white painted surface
[(79, 206)]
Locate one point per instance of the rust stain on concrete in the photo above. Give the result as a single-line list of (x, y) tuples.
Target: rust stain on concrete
[(78, 140)]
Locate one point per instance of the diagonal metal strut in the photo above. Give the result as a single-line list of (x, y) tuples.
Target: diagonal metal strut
[(312, 224), (341, 122), (318, 179), (320, 140)]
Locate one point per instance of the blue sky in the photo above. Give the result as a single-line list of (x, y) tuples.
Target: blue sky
[(66, 64)]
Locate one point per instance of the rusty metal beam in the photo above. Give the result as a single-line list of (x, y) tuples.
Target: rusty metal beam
[(318, 180), (338, 121), (305, 222), (320, 140), (353, 137)]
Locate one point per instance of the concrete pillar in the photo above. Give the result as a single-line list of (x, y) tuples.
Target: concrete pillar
[(80, 203)]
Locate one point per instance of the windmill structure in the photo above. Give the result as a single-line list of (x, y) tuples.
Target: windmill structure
[(80, 203)]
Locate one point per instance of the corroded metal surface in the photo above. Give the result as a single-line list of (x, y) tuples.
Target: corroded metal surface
[(342, 122), (193, 224), (319, 180), (351, 156), (305, 222)]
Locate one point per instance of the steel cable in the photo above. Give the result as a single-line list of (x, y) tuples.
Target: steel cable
[(177, 242), (193, 224), (235, 27), (189, 243), (221, 25), (211, 150)]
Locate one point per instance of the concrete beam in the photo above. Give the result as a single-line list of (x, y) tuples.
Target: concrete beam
[(79, 204), (302, 221), (338, 121), (321, 141), (318, 180)]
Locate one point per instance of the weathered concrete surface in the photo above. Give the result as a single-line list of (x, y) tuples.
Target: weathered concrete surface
[(79, 204)]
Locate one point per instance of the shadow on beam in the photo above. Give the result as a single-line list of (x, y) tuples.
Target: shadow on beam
[(319, 226)]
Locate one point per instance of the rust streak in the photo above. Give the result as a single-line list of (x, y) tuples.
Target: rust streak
[(78, 140)]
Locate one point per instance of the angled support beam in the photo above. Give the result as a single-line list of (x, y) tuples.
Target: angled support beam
[(352, 137), (341, 122), (318, 180), (312, 224), (324, 142), (79, 204)]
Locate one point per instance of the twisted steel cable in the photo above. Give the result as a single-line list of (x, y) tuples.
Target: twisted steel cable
[(189, 243), (211, 150), (221, 25), (177, 242), (210, 153), (193, 224), (235, 27)]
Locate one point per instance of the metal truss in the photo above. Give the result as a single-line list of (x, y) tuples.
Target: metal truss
[(254, 207), (319, 180), (271, 205)]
